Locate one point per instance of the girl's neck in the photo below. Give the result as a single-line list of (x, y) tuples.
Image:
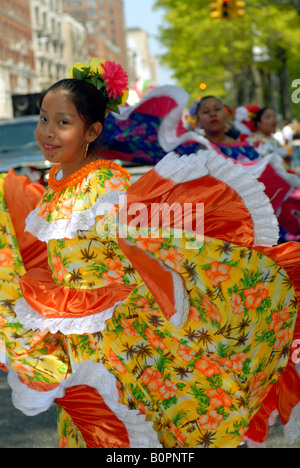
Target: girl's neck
[(71, 168), (218, 137), (262, 134)]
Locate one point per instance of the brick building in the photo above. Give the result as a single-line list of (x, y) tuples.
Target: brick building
[(39, 41), (17, 68), (105, 24)]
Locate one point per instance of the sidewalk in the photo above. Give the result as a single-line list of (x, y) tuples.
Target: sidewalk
[(20, 431)]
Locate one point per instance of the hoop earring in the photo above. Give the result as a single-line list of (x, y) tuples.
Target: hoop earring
[(86, 150)]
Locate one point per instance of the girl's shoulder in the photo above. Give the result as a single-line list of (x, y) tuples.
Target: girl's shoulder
[(72, 204)]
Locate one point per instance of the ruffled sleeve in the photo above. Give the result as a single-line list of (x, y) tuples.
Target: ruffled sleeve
[(60, 215)]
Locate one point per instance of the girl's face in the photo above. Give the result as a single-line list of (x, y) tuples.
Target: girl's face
[(211, 115), (61, 134), (268, 122)]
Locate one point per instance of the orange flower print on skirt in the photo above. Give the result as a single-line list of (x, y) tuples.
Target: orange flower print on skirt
[(201, 384)]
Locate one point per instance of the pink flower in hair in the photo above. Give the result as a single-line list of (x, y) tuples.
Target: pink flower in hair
[(116, 79)]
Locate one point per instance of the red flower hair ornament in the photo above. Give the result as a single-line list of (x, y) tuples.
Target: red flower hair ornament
[(244, 119), (108, 77)]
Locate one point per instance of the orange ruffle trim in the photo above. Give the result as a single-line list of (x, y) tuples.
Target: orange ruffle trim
[(54, 301), (78, 176), (225, 212), (99, 426), (21, 197), (3, 368)]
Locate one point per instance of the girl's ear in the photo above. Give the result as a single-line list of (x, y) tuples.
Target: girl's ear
[(94, 131)]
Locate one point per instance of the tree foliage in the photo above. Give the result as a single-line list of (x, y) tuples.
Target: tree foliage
[(240, 60)]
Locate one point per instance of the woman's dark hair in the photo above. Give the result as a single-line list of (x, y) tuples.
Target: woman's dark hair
[(260, 113), (89, 102), (205, 98)]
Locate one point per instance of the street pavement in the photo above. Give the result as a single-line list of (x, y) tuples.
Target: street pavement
[(20, 431)]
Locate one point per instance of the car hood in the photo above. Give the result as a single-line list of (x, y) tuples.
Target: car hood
[(22, 158)]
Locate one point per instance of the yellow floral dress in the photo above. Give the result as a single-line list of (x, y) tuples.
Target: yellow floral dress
[(186, 345), (201, 384)]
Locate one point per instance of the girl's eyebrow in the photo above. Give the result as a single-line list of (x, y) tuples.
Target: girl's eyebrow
[(65, 113), (58, 113)]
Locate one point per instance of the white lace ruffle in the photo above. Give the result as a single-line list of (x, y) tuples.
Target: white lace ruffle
[(276, 162), (182, 302), (3, 358), (79, 221), (187, 168), (141, 432), (33, 320), (30, 402), (167, 133)]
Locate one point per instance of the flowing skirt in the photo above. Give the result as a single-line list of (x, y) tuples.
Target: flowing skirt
[(200, 354)]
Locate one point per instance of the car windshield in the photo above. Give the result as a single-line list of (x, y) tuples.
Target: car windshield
[(17, 136)]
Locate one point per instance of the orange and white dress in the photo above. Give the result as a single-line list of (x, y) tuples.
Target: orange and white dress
[(88, 274), (178, 339)]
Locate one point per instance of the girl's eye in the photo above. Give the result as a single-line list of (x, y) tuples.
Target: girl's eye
[(43, 118), (63, 122)]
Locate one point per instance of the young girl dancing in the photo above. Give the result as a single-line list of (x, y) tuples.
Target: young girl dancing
[(164, 318)]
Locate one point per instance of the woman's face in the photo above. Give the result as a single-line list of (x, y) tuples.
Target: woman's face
[(211, 115), (268, 122), (61, 133)]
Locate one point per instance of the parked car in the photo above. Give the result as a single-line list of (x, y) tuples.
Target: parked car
[(19, 149)]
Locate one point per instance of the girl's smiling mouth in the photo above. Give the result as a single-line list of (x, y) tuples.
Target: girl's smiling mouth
[(48, 147)]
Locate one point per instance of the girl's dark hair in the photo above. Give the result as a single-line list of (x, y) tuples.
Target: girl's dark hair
[(89, 102), (260, 113)]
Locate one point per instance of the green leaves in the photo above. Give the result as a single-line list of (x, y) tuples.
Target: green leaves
[(86, 74), (221, 52), (82, 74)]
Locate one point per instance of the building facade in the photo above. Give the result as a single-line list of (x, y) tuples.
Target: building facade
[(41, 39), (142, 65), (75, 40), (38, 43), (105, 25), (48, 41), (17, 67)]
